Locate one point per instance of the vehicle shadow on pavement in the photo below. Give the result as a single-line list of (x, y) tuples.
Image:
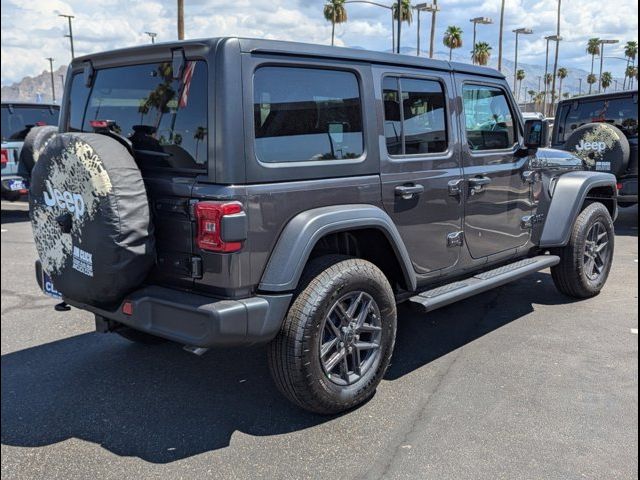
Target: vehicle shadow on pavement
[(161, 404), (627, 222), (14, 216)]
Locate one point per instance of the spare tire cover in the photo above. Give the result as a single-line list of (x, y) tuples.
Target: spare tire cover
[(601, 146), (90, 218), (33, 145)]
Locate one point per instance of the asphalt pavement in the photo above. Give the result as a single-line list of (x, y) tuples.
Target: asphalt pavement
[(518, 383)]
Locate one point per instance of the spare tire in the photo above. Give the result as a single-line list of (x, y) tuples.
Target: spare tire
[(601, 146), (33, 145), (90, 218)]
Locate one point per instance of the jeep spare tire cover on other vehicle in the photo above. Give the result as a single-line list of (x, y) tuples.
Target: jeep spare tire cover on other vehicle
[(601, 146), (33, 145), (90, 218)]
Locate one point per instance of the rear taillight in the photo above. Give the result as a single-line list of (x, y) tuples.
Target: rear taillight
[(209, 217), (4, 156), (619, 186)]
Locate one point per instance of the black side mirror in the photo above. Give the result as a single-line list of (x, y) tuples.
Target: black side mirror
[(533, 134)]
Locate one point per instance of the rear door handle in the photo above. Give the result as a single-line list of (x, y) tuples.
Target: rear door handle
[(477, 184), (408, 191)]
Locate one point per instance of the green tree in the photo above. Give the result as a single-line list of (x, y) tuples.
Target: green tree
[(520, 76), (201, 133), (607, 80), (593, 49), (630, 51), (452, 38), (631, 73), (562, 74), (335, 12), (532, 94), (482, 53), (591, 79)]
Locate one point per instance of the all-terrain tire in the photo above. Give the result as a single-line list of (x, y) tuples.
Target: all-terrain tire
[(34, 144), (294, 355), (572, 275)]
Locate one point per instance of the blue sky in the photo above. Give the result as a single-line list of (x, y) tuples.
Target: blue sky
[(32, 31)]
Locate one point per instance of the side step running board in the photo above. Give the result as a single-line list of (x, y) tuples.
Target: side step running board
[(482, 282)]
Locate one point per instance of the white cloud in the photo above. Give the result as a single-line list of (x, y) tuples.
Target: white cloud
[(32, 30)]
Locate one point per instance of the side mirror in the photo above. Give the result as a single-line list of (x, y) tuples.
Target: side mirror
[(533, 134)]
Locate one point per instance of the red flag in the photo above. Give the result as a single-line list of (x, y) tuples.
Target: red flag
[(186, 84)]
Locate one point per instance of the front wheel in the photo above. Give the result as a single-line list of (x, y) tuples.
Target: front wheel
[(337, 339), (586, 260)]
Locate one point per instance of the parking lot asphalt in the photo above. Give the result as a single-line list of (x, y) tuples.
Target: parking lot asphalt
[(518, 383)]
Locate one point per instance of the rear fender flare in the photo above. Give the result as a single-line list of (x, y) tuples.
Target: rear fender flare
[(301, 234)]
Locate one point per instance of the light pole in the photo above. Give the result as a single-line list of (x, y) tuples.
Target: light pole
[(500, 36), (580, 86), (602, 44), (518, 32), (70, 35), (476, 21), (433, 28), (423, 7), (53, 87), (152, 36), (393, 30), (550, 38), (555, 62)]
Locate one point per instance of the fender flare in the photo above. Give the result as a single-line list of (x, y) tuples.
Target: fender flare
[(570, 192), (301, 234)]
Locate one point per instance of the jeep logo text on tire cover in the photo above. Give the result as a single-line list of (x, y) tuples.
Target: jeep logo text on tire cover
[(587, 146), (65, 200)]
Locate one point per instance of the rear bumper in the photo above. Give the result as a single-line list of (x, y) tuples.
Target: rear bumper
[(196, 320)]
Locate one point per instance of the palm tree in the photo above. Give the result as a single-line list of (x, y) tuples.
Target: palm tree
[(406, 13), (520, 76), (201, 133), (452, 38), (631, 72), (531, 93), (335, 12), (593, 49), (630, 51), (607, 80), (566, 95), (482, 53), (562, 74), (591, 79)]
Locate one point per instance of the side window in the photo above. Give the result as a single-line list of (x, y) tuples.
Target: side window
[(306, 114), (414, 116), (488, 120)]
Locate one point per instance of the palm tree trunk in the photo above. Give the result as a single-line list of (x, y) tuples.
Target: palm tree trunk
[(333, 28), (593, 58), (560, 90), (555, 63), (180, 19), (624, 83), (450, 52)]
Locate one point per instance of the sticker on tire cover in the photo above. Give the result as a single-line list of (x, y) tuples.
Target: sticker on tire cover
[(75, 168), (82, 261), (594, 144)]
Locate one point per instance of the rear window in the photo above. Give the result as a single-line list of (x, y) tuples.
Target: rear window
[(165, 119), (621, 112), (306, 114), (18, 120)]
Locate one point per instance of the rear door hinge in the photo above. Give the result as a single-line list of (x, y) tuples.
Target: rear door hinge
[(455, 239)]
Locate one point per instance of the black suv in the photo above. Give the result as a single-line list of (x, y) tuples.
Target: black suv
[(232, 192), (575, 122)]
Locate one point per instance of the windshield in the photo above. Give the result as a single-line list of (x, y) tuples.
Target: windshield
[(165, 119), (17, 120)]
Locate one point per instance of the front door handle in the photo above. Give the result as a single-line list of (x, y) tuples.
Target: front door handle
[(477, 184), (408, 191)]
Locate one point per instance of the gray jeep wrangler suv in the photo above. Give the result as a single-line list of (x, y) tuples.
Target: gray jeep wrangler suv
[(231, 192)]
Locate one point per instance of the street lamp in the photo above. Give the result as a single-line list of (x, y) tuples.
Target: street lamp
[(476, 21), (70, 35), (518, 31), (152, 36), (602, 44), (550, 38), (393, 29), (424, 7), (53, 87)]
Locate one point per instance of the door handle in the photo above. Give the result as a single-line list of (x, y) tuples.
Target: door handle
[(477, 184), (408, 191)]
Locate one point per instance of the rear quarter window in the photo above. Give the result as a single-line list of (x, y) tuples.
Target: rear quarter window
[(307, 115), (18, 120)]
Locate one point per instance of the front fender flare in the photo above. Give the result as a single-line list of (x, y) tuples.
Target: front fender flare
[(301, 234), (569, 195)]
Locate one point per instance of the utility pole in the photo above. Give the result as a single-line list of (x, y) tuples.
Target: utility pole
[(423, 7), (70, 35), (433, 27), (180, 19), (399, 24), (53, 87)]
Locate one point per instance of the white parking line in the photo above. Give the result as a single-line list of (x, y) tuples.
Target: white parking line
[(4, 230)]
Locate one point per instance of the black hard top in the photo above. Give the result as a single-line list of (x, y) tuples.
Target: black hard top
[(277, 47), (601, 96)]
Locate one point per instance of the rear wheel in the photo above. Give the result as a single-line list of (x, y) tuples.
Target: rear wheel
[(586, 260), (337, 339)]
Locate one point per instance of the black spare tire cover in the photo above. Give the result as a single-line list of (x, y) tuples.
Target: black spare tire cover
[(33, 145), (90, 218), (601, 146)]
